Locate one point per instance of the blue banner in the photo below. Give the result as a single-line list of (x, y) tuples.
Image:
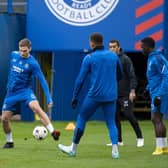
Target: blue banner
[(67, 24)]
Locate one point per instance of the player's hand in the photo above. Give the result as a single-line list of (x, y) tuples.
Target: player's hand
[(50, 105), (74, 103), (132, 95), (157, 101)]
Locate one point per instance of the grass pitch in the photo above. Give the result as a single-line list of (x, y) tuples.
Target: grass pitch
[(92, 151)]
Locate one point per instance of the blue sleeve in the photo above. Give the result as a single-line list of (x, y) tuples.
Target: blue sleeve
[(38, 73), (85, 67), (162, 66), (14, 55)]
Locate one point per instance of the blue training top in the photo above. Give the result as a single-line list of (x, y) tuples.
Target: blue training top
[(21, 74), (157, 74), (102, 66)]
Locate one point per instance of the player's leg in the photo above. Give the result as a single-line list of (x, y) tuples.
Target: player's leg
[(118, 123), (9, 105), (159, 126), (164, 112), (128, 113), (160, 132), (6, 125), (160, 129), (32, 102), (35, 107), (164, 107), (6, 117), (88, 108), (109, 109)]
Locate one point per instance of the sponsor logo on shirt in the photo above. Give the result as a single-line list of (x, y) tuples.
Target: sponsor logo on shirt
[(81, 12), (17, 69), (26, 65)]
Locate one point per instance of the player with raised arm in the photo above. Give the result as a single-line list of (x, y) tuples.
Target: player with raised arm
[(23, 67)]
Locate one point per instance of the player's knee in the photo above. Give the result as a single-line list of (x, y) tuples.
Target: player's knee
[(110, 124), (35, 109), (5, 118), (155, 120)]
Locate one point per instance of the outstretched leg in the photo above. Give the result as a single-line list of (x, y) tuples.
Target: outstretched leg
[(88, 108), (109, 113), (118, 123), (34, 105)]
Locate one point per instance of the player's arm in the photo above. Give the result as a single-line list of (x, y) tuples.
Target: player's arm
[(43, 82), (162, 67), (131, 74), (132, 78), (119, 70), (85, 67)]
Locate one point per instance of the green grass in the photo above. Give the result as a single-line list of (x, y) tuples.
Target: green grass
[(92, 151)]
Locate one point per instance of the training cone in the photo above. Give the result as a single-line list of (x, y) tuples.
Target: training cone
[(70, 126)]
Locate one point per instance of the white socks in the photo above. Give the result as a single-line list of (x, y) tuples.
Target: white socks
[(9, 137), (115, 148), (74, 146), (50, 128), (161, 142), (165, 142)]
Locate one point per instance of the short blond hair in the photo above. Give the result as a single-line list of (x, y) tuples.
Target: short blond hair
[(25, 43)]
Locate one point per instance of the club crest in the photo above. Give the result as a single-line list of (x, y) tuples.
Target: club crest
[(81, 12)]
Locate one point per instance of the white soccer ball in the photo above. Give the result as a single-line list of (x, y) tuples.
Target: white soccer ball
[(40, 132)]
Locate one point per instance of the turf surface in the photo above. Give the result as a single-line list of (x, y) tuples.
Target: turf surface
[(92, 151)]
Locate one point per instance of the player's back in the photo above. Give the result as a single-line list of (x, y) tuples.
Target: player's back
[(103, 75)]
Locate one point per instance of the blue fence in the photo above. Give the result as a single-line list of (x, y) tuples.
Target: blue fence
[(66, 68), (12, 29)]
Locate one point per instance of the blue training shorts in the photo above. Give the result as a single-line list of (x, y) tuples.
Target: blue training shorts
[(13, 98), (163, 108)]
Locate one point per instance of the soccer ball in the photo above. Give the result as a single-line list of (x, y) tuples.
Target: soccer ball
[(40, 132)]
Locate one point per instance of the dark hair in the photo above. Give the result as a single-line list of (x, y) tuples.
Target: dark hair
[(115, 41), (25, 42), (149, 42), (97, 38)]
